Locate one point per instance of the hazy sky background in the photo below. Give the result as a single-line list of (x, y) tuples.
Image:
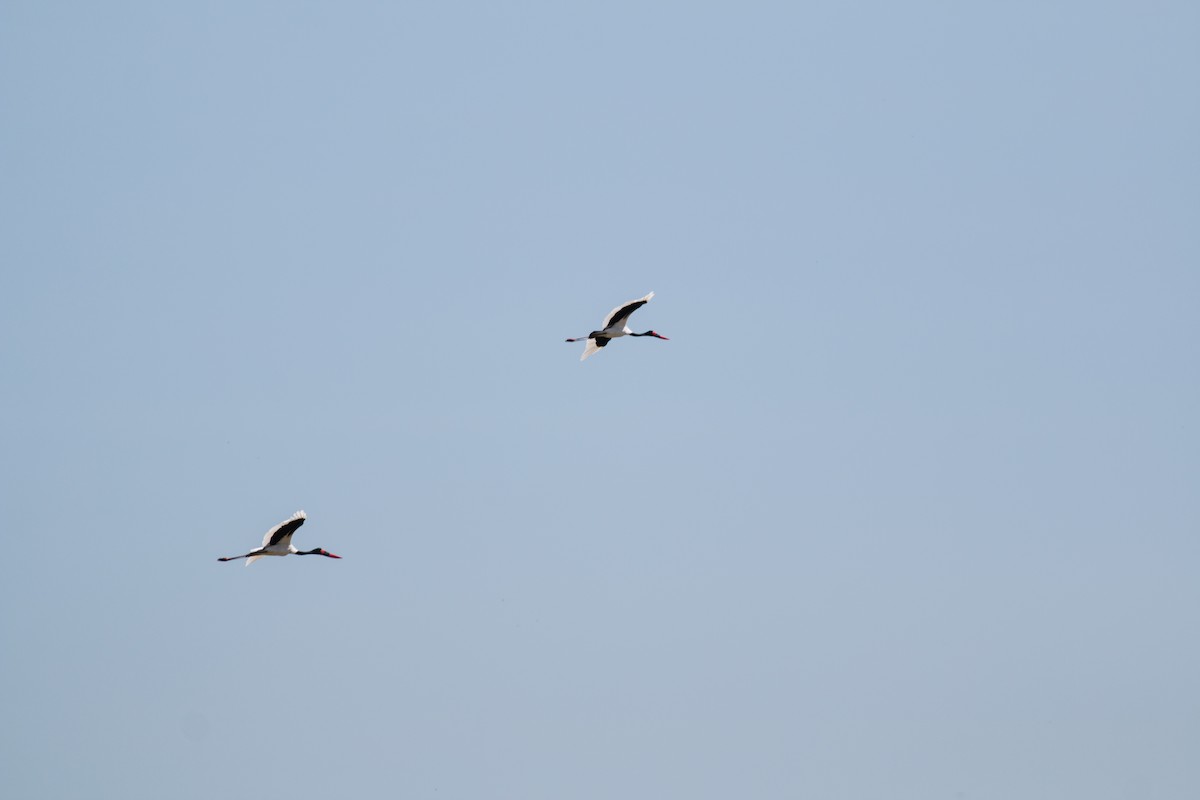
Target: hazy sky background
[(906, 508)]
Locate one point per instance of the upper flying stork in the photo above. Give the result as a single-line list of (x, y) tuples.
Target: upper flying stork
[(278, 542), (615, 324)]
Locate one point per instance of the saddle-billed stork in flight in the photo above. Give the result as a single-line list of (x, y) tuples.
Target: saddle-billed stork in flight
[(278, 542), (615, 324)]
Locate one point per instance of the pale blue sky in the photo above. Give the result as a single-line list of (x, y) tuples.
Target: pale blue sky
[(906, 508)]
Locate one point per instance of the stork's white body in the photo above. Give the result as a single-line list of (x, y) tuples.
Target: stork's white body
[(273, 550)]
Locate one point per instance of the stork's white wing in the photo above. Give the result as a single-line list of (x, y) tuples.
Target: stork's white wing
[(589, 348), (288, 527), (619, 316), (251, 559)]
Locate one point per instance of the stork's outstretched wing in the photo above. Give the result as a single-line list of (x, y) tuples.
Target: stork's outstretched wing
[(592, 346), (282, 533), (619, 316)]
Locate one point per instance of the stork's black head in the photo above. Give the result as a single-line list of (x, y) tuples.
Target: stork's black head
[(656, 335), (317, 552)]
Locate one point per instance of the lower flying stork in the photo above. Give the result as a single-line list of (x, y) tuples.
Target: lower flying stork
[(615, 324), (278, 542)]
